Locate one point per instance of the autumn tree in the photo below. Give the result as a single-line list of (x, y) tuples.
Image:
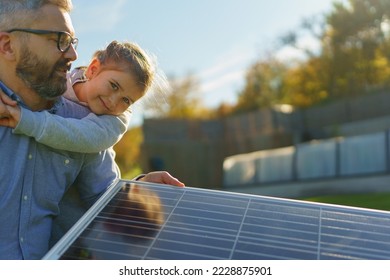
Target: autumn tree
[(357, 41), (307, 79), (180, 100), (128, 152), (264, 86), (305, 84), (353, 58)]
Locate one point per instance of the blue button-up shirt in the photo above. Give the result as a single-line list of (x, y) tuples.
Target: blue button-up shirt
[(33, 179)]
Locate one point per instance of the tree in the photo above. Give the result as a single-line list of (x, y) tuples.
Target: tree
[(128, 152), (223, 110), (264, 86), (353, 58), (357, 46), (305, 84), (180, 100)]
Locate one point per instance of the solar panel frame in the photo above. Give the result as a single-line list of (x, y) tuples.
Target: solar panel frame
[(213, 224)]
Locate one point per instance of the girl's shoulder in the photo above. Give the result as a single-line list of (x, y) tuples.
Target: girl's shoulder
[(77, 75)]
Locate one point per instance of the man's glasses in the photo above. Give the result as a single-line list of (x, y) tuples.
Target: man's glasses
[(64, 39)]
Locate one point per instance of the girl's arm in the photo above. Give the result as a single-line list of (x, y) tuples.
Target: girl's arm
[(88, 135)]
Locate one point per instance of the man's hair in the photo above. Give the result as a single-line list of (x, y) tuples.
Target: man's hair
[(21, 13)]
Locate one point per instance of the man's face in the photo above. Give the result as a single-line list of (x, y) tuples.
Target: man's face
[(41, 65), (39, 74)]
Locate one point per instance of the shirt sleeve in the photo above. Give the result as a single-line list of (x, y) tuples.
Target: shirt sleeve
[(90, 134), (99, 173)]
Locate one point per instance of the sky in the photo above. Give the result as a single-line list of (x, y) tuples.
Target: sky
[(214, 40)]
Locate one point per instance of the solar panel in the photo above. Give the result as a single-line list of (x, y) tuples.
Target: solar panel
[(191, 223)]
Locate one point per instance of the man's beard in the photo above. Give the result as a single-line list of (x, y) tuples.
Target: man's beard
[(39, 76)]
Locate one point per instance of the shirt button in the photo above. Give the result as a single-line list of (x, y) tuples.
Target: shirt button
[(21, 239), (25, 197), (30, 156), (67, 161)]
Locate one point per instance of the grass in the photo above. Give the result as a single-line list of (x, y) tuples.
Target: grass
[(380, 201)]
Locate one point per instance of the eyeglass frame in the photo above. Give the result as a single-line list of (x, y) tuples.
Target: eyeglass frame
[(73, 42)]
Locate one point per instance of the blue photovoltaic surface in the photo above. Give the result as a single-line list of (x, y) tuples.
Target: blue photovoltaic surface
[(191, 223)]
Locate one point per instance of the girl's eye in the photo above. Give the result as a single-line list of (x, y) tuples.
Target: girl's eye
[(114, 86), (126, 100)]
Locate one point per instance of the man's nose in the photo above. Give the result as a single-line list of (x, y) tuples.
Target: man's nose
[(71, 53)]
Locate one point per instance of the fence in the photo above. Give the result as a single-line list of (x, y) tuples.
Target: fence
[(195, 150), (321, 159)]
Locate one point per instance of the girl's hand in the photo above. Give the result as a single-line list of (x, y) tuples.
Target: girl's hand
[(9, 111)]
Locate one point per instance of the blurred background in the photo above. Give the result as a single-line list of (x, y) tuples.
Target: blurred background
[(280, 98)]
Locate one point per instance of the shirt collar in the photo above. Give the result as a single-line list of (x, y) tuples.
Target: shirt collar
[(12, 94), (78, 75), (15, 97)]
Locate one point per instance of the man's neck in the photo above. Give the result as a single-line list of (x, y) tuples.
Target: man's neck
[(34, 101)]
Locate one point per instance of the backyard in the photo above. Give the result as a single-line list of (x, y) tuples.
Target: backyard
[(380, 201)]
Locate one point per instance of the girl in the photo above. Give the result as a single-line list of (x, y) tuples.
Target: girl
[(115, 79)]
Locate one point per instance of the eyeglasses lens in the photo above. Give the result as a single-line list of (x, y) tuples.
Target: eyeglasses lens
[(65, 40)]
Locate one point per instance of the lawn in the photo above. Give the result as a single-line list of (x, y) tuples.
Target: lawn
[(379, 201)]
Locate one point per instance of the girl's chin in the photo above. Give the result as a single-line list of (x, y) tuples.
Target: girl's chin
[(98, 111)]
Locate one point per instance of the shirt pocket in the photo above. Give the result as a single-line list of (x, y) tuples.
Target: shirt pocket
[(55, 173)]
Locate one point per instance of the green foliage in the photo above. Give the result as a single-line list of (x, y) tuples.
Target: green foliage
[(305, 84), (265, 86), (357, 41), (354, 59)]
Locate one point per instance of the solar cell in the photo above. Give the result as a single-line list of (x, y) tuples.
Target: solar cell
[(137, 220)]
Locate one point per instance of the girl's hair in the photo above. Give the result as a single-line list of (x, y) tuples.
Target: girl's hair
[(128, 57)]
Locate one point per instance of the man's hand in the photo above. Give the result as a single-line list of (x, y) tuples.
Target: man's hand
[(161, 177), (9, 111)]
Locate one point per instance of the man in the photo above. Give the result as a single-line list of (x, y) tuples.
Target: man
[(37, 46)]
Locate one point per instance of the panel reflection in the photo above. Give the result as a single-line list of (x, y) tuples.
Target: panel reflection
[(124, 229)]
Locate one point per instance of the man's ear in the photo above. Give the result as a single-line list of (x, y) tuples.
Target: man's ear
[(93, 68), (6, 46)]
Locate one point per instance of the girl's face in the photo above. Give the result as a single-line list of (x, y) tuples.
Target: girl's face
[(109, 91)]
